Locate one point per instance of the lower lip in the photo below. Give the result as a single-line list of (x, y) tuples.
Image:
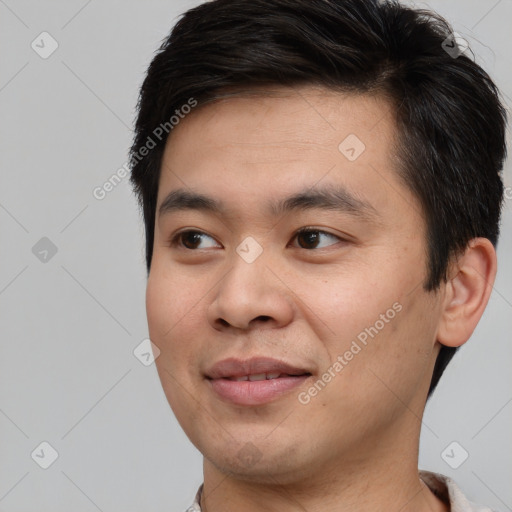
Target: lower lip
[(247, 392)]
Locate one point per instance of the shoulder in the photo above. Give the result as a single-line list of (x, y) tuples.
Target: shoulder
[(447, 490), (196, 506)]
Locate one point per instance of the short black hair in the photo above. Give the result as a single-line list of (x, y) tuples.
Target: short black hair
[(450, 120)]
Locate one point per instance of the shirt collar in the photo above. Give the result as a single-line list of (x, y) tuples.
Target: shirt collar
[(442, 486)]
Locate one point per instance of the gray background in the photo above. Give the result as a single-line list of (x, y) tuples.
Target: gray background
[(68, 375)]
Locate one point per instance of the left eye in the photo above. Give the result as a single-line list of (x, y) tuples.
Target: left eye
[(309, 237)]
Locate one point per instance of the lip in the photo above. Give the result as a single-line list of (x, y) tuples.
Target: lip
[(259, 391), (234, 367)]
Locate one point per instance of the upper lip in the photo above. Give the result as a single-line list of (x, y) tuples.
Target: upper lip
[(233, 367)]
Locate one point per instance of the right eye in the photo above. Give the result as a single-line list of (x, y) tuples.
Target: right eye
[(188, 239)]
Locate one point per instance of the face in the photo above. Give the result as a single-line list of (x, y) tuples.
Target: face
[(288, 303)]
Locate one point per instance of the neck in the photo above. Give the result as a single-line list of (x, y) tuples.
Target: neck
[(382, 476)]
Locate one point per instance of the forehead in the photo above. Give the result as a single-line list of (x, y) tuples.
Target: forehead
[(278, 141), (306, 118)]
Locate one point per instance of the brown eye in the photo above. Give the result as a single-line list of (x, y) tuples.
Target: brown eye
[(310, 238), (189, 239), (307, 238)]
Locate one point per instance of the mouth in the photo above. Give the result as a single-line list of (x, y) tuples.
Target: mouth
[(265, 376), (254, 381)]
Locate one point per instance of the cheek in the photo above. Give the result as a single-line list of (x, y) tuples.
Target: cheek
[(173, 315), (169, 301), (395, 364), (171, 319), (343, 306), (377, 325)]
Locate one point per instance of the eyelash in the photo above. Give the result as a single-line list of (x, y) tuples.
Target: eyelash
[(175, 239)]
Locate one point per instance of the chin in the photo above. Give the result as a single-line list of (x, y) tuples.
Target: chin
[(271, 464)]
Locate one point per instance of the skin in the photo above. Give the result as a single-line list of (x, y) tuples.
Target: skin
[(354, 446)]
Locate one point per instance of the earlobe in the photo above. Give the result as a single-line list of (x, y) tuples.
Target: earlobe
[(467, 292)]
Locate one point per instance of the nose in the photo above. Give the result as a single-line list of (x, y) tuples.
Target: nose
[(251, 295)]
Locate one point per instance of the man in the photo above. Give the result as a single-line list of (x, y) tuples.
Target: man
[(321, 194)]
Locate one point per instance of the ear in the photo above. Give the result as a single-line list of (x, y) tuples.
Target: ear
[(467, 292)]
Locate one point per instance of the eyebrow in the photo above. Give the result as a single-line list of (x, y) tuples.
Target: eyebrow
[(331, 197)]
